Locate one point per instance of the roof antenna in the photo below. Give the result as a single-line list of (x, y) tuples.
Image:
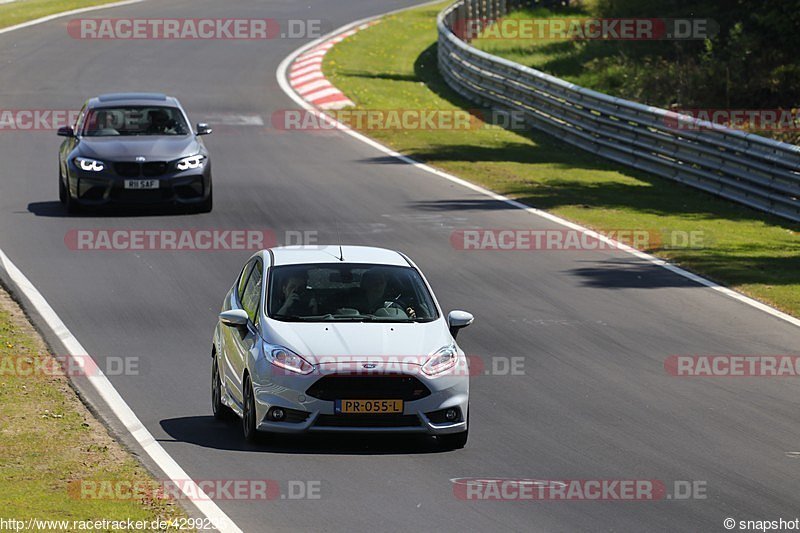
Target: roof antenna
[(339, 238)]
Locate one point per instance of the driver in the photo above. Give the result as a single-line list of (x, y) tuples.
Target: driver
[(158, 121), (295, 300), (373, 294)]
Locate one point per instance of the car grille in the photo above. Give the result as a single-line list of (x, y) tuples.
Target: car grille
[(133, 170), (156, 168), (338, 387), (128, 170), (367, 421)]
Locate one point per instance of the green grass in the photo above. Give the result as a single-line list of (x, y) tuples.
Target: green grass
[(650, 77), (583, 63), (392, 65), (24, 10), (50, 442)]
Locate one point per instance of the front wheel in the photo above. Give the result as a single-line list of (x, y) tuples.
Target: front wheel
[(71, 205), (221, 411), (249, 414), (62, 189)]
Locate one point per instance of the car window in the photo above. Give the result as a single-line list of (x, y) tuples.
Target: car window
[(350, 292), (243, 278), (79, 118), (134, 120), (252, 292)]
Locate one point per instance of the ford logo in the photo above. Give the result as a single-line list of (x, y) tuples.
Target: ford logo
[(370, 365)]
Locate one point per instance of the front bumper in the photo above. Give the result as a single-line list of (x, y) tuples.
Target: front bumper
[(106, 187), (289, 392)]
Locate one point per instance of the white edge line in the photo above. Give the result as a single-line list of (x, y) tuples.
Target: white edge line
[(101, 384), (54, 16), (98, 379), (286, 87)]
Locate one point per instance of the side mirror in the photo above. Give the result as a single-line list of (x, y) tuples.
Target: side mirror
[(66, 131), (203, 129), (235, 318), (458, 320)]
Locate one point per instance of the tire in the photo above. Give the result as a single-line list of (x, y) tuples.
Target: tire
[(221, 411), (71, 205), (62, 189), (249, 414)]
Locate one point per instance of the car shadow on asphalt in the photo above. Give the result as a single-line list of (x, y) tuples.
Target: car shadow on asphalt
[(55, 209), (208, 432)]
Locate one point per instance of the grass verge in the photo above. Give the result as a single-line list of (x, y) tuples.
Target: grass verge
[(392, 65), (24, 10), (51, 442)]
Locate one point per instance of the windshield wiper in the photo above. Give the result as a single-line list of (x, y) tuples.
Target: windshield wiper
[(290, 318)]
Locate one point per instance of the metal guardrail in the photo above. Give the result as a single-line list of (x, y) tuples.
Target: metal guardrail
[(746, 168)]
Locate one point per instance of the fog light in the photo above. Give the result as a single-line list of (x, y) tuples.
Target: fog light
[(276, 413), (451, 414)]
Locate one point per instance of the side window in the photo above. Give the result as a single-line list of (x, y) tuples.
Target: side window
[(79, 119), (252, 292), (243, 279)]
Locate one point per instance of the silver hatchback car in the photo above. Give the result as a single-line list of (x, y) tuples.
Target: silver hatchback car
[(330, 338)]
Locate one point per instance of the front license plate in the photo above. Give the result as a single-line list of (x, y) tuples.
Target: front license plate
[(141, 184), (355, 407)]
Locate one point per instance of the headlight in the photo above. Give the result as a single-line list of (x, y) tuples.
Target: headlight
[(289, 360), (89, 165), (191, 162), (442, 360)]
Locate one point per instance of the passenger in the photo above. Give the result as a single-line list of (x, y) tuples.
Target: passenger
[(296, 299)]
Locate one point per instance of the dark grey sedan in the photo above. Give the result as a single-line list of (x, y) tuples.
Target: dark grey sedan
[(134, 148)]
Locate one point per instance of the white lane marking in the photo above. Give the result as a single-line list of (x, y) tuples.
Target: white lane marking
[(308, 62), (221, 521), (116, 403), (225, 119), (305, 70), (306, 88), (286, 87), (337, 103), (322, 93), (54, 16), (308, 77)]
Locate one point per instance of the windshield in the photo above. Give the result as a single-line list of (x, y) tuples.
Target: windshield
[(134, 120), (358, 293)]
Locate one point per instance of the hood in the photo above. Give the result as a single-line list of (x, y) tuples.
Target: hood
[(360, 342), (153, 148)]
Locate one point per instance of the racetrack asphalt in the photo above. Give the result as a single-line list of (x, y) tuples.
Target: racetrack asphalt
[(594, 327)]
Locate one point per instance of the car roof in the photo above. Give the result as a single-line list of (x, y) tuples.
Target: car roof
[(294, 255), (140, 99)]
